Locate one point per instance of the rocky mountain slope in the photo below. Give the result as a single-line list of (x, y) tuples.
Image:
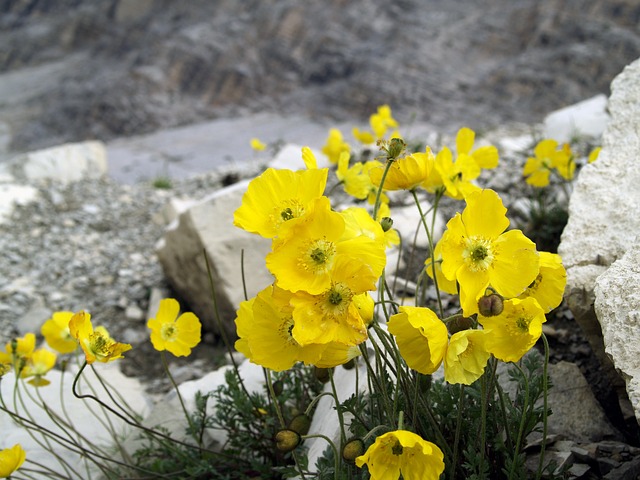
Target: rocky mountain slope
[(71, 70)]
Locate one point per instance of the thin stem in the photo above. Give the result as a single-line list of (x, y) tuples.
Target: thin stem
[(545, 388), (523, 418), (456, 441), (165, 365)]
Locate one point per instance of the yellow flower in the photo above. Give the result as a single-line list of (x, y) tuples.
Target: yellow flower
[(485, 157), (444, 284), (402, 453), (477, 253), (354, 181), (309, 158), (257, 145), (277, 197), (563, 162), (456, 176), (362, 136), (593, 156), (38, 365), (11, 459), (177, 334), (335, 145), (512, 333), (366, 307), (548, 287), (96, 344), (406, 173), (421, 337), (381, 121), (264, 325), (305, 258), (18, 351), (332, 315), (466, 357), (56, 332)]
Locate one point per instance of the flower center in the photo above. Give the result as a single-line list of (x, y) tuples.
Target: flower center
[(100, 345), (286, 329), (478, 253), (336, 300), (523, 324), (397, 449), (318, 256), (168, 332), (288, 210)]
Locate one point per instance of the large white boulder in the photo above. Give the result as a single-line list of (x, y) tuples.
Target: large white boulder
[(587, 118), (603, 211), (207, 227), (61, 164)]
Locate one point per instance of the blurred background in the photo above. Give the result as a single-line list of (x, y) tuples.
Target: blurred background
[(72, 70)]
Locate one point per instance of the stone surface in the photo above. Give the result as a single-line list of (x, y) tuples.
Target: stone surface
[(617, 306), (87, 418), (208, 227), (603, 221), (587, 118), (62, 164)]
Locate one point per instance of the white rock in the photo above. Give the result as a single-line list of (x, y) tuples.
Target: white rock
[(586, 118), (603, 211), (620, 320), (407, 221), (208, 226), (85, 414), (290, 157), (62, 164), (12, 194)]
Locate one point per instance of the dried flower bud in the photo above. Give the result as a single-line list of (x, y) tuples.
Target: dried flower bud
[(300, 424), (386, 223), (287, 440), (490, 305), (352, 450), (459, 324)]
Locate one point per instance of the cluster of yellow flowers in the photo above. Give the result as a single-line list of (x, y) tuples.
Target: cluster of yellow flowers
[(325, 263), (65, 331)]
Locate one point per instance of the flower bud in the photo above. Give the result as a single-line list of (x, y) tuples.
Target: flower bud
[(490, 305), (287, 440), (396, 147), (386, 223), (459, 324), (352, 450), (321, 374), (349, 365), (300, 424), (278, 386)]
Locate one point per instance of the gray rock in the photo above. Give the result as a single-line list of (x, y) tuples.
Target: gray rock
[(207, 227)]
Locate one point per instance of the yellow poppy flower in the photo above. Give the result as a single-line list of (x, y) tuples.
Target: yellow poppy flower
[(381, 121), (563, 162), (512, 333), (373, 189), (38, 365), (177, 334), (477, 252), (485, 157), (56, 332), (466, 357), (444, 284), (402, 453), (364, 137), (354, 181), (332, 315), (278, 197), (96, 344), (421, 336), (366, 307), (11, 459), (309, 158), (456, 176), (406, 173), (335, 145), (593, 156), (257, 145), (305, 258), (18, 356), (548, 287)]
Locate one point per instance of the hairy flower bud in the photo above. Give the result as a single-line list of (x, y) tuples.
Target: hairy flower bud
[(321, 374), (300, 424), (386, 223), (278, 386), (490, 305), (395, 148), (353, 449), (459, 324), (287, 440)]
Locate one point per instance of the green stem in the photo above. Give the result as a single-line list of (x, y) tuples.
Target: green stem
[(192, 427), (545, 388), (456, 441), (523, 418)]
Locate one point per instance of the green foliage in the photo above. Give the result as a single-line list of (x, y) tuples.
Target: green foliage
[(547, 219), (162, 183)]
